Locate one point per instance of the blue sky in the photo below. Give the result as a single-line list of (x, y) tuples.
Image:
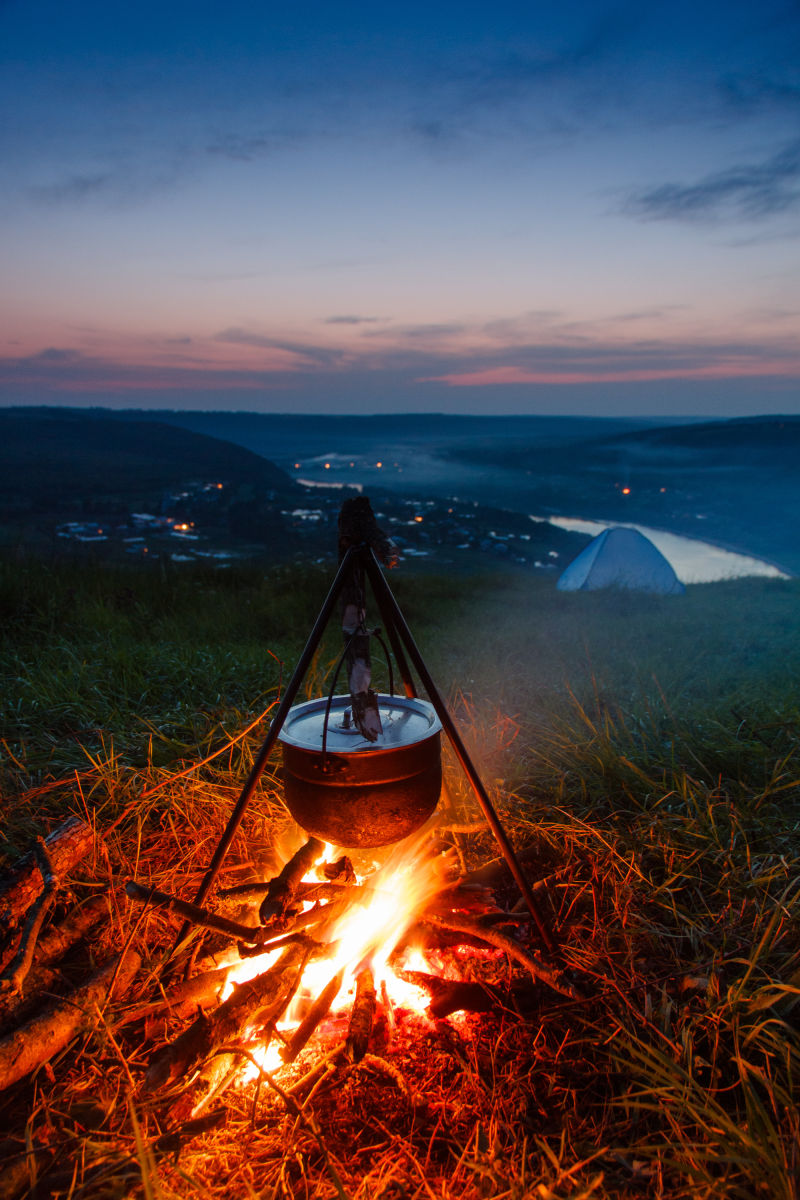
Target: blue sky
[(591, 208)]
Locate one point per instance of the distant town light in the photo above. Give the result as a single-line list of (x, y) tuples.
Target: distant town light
[(626, 491), (327, 466), (378, 464), (297, 466), (418, 520)]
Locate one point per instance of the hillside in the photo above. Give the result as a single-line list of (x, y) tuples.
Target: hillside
[(106, 484), (731, 482), (50, 458)]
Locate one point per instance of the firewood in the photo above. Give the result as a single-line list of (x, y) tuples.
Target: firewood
[(361, 1017), (307, 889), (454, 995), (341, 871), (16, 972), (52, 945), (501, 941), (460, 995), (282, 889), (272, 991), (193, 912), (201, 991), (23, 883), (434, 937), (46, 1034), (58, 939), (316, 1013)]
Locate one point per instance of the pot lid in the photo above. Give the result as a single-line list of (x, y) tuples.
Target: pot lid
[(405, 721)]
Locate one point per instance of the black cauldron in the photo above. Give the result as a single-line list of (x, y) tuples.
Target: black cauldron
[(354, 793)]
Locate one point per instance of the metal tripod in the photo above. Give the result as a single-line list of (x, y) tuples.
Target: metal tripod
[(402, 644)]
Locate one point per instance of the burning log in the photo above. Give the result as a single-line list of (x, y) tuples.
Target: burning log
[(271, 991), (65, 846), (201, 991), (317, 1013), (362, 1016), (459, 995), (46, 1034), (281, 890)]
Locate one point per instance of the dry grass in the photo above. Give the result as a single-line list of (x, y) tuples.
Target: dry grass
[(666, 829), (676, 1078)]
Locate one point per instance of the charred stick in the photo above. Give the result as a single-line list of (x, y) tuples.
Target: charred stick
[(500, 941), (193, 912), (361, 1017), (454, 995), (434, 937), (288, 939), (324, 914), (282, 889), (460, 995), (317, 1013), (201, 991), (273, 990), (17, 970), (244, 891)]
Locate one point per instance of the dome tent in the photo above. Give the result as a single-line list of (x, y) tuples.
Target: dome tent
[(622, 558)]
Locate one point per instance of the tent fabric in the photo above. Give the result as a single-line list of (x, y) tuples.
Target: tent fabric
[(622, 558)]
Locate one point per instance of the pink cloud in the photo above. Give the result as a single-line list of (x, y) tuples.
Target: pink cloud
[(512, 375)]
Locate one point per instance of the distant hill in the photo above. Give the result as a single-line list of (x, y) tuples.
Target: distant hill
[(50, 458), (735, 482), (285, 435)]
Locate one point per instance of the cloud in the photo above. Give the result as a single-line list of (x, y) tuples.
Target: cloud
[(55, 354), (352, 320), (306, 353), (537, 348), (751, 191), (754, 94), (247, 147), (73, 188)]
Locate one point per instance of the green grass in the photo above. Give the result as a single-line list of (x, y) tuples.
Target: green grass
[(648, 749)]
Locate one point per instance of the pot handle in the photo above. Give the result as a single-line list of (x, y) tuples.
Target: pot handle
[(376, 633)]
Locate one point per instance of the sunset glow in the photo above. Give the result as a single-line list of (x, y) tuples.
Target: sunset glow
[(499, 210)]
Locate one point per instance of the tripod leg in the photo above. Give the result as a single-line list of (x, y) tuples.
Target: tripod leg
[(396, 644), (257, 769), (384, 596)]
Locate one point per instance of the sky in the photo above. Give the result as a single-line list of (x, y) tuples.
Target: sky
[(583, 208)]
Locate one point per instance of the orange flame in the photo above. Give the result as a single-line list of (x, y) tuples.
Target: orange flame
[(366, 935)]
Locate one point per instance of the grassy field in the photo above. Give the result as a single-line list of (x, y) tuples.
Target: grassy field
[(645, 753)]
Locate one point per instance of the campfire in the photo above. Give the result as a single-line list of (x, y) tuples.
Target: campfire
[(338, 958), (372, 931)]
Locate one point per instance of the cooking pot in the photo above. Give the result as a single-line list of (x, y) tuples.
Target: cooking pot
[(355, 793)]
